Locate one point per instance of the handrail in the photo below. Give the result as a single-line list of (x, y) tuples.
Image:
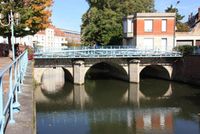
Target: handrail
[(16, 71), (101, 52)]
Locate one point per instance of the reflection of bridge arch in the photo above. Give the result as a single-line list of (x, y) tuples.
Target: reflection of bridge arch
[(134, 94), (166, 94), (102, 94)]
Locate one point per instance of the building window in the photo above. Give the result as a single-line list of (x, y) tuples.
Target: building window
[(164, 25), (148, 25), (164, 44), (148, 44)]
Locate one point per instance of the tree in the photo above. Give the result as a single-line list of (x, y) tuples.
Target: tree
[(181, 27), (34, 14), (102, 23)]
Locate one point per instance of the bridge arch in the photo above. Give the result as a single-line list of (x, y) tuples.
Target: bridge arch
[(157, 71), (53, 79), (106, 69)]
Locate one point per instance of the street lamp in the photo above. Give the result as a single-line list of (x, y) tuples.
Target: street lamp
[(12, 20)]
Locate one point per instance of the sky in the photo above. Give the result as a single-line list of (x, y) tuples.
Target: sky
[(67, 13)]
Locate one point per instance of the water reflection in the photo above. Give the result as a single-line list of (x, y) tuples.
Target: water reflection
[(110, 106), (96, 93)]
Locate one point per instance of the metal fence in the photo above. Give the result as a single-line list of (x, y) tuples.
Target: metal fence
[(101, 52), (14, 72)]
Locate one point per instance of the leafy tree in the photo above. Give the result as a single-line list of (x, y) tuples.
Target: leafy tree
[(181, 27), (34, 14), (102, 23)]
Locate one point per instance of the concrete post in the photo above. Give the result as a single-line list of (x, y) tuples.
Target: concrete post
[(194, 42), (79, 75), (134, 71)]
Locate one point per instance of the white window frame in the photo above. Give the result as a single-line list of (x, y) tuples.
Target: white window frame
[(164, 25), (148, 25)]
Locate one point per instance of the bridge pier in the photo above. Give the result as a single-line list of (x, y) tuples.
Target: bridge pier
[(79, 72), (134, 71)]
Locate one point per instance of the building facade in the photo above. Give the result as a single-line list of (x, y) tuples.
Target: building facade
[(50, 37), (150, 31), (72, 36), (193, 36)]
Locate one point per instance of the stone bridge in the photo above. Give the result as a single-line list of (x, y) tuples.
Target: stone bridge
[(128, 69)]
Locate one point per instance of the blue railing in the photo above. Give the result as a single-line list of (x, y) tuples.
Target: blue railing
[(101, 52), (9, 97)]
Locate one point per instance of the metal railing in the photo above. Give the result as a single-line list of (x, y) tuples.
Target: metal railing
[(101, 52), (9, 99)]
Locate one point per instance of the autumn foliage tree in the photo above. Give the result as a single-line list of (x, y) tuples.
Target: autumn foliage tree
[(34, 14)]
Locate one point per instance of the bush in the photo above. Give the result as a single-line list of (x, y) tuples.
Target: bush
[(185, 49)]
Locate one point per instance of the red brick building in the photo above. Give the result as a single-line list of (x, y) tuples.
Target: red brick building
[(150, 31)]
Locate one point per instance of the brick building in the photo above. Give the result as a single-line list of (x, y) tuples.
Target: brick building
[(150, 31)]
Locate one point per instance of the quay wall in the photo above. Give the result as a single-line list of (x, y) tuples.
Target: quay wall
[(187, 70)]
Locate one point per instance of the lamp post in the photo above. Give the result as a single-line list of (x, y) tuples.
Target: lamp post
[(12, 20)]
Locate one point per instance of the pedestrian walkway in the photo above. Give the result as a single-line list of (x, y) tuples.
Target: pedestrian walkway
[(25, 119), (5, 61)]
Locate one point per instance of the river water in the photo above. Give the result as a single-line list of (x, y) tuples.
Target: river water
[(117, 107)]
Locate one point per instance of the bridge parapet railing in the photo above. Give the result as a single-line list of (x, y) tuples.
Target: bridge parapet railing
[(11, 78), (95, 52)]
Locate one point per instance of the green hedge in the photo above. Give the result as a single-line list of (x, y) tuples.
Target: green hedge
[(185, 49)]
